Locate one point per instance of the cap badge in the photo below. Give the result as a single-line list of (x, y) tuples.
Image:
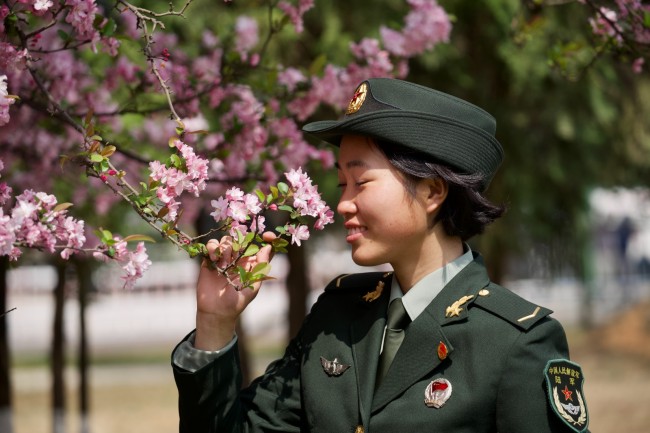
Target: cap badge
[(333, 368), (455, 308), (437, 393), (564, 380), (357, 99)]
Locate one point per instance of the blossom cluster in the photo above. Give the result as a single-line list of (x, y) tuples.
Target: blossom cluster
[(190, 175), (248, 123), (243, 212), (307, 200), (427, 24), (35, 221), (628, 20), (5, 101), (134, 263)]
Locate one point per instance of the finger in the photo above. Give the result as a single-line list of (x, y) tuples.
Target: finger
[(265, 254), (212, 247), (225, 248), (269, 236)]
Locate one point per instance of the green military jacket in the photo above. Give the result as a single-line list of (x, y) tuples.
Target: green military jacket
[(491, 349)]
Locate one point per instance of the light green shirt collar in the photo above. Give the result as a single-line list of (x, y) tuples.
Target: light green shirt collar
[(423, 292)]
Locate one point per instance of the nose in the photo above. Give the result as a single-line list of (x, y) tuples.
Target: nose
[(346, 205)]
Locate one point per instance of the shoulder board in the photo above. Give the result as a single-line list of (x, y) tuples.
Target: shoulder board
[(511, 307), (360, 281)]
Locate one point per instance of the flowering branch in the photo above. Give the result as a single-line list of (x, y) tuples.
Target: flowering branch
[(248, 135)]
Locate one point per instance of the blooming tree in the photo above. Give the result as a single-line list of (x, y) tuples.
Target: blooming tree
[(622, 26), (158, 123)]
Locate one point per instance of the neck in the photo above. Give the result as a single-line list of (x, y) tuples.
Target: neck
[(434, 254)]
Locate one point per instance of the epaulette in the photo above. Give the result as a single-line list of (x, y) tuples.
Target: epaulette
[(511, 307)]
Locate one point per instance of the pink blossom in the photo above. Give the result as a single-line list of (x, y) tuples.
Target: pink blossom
[(290, 78), (295, 13), (426, 25), (42, 5), (174, 181), (258, 226), (5, 101), (138, 262), (298, 234), (237, 211), (637, 65), (237, 229), (220, 206), (82, 16), (246, 35), (234, 193), (605, 24), (252, 203)]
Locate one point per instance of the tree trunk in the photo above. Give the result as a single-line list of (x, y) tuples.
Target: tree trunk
[(297, 287), (6, 415), (57, 364), (85, 286)]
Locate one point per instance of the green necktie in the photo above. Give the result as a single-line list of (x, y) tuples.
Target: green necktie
[(397, 321)]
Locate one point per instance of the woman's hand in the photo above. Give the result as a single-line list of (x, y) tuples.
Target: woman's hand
[(218, 303)]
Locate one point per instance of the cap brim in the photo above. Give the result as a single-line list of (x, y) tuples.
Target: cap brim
[(458, 144)]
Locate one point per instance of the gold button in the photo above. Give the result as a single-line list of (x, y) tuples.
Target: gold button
[(359, 429), (484, 292)]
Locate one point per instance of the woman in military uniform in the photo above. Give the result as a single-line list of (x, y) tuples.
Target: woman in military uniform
[(433, 346)]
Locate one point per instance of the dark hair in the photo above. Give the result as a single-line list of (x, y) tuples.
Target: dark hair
[(465, 212)]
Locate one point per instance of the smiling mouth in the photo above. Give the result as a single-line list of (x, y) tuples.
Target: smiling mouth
[(356, 230)]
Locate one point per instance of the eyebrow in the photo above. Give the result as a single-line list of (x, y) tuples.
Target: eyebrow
[(351, 164)]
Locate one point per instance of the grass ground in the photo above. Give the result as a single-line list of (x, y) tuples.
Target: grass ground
[(136, 394)]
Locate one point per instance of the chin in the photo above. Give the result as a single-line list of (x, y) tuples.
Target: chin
[(367, 259)]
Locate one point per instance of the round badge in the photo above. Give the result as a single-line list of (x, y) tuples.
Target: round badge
[(437, 393), (357, 99)]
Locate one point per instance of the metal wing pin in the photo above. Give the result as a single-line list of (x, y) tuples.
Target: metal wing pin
[(333, 368)]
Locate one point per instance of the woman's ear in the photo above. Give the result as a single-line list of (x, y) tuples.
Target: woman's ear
[(435, 192)]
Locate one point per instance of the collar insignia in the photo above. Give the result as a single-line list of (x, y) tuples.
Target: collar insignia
[(371, 296), (333, 368), (357, 99), (455, 308), (564, 382)]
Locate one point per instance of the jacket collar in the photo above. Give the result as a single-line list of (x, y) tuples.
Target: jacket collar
[(418, 354)]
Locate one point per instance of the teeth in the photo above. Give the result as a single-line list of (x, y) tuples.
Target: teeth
[(355, 230)]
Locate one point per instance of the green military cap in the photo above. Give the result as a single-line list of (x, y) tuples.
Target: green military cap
[(449, 129)]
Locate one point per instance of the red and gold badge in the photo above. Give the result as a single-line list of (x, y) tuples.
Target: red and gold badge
[(357, 99), (437, 393)]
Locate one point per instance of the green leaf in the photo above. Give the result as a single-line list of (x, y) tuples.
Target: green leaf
[(286, 208), (109, 28), (274, 192), (96, 157), (260, 195), (251, 250), (176, 161), (279, 243), (283, 187), (261, 269), (64, 36), (105, 235)]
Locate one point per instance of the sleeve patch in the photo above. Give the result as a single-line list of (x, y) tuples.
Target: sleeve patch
[(564, 380)]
